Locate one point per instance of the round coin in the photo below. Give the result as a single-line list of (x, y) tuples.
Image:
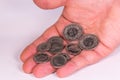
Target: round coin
[(73, 49), (41, 57), (65, 55), (56, 39), (43, 47), (56, 43), (73, 32), (58, 61), (56, 47), (88, 41)]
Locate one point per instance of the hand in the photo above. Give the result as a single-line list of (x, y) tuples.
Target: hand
[(100, 17)]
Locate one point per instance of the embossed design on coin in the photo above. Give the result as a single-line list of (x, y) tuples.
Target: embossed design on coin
[(73, 32), (41, 57), (73, 49), (88, 41), (56, 44), (43, 47), (55, 39), (59, 60)]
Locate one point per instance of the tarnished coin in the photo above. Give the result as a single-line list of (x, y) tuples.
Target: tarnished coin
[(59, 60), (65, 55), (88, 41), (41, 57), (43, 47), (73, 49), (55, 39), (56, 47), (56, 44), (73, 32)]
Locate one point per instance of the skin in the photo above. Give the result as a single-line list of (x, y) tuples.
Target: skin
[(99, 17)]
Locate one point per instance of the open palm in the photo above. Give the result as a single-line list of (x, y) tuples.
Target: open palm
[(100, 17)]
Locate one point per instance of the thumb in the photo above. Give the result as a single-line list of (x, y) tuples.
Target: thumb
[(48, 4)]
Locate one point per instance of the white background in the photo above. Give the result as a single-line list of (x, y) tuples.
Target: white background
[(21, 22)]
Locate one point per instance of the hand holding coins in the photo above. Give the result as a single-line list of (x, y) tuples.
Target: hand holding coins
[(77, 41)]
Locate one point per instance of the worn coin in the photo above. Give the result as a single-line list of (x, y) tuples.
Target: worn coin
[(59, 60), (73, 32), (56, 47), (43, 47), (56, 39), (64, 55), (73, 49), (41, 57), (88, 41), (56, 43)]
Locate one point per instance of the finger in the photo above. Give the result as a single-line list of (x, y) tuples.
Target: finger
[(29, 65), (84, 59), (77, 63), (31, 49), (48, 4), (27, 52), (43, 70)]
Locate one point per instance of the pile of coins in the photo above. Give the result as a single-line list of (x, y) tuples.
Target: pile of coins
[(76, 39)]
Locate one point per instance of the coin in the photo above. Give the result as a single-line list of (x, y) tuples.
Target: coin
[(88, 41), (41, 57), (56, 47), (73, 49), (65, 55), (59, 60), (72, 32), (55, 39), (43, 47), (56, 43)]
